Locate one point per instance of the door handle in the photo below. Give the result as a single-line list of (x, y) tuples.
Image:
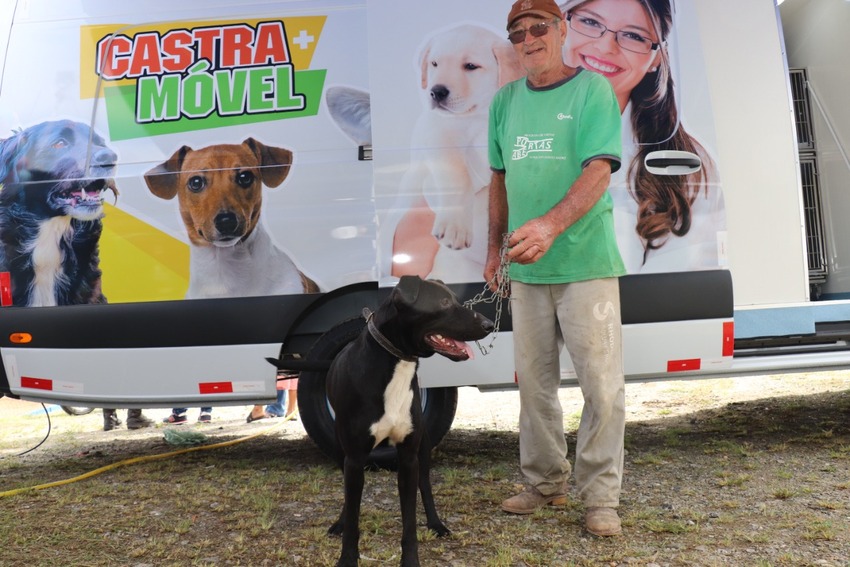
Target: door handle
[(672, 162)]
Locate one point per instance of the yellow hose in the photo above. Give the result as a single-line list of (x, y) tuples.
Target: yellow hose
[(147, 458)]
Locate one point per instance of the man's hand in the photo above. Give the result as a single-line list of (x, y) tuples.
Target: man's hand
[(532, 240), (491, 270)]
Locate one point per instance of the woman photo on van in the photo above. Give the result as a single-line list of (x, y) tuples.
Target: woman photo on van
[(664, 223)]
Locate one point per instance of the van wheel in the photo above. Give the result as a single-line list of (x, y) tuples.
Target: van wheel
[(438, 404)]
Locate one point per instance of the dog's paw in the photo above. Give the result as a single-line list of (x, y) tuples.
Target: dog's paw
[(453, 230), (336, 529), (439, 529), (346, 561)]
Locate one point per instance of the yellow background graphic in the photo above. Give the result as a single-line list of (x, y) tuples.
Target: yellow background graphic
[(140, 262)]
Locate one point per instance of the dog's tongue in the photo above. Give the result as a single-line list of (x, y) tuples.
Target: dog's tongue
[(462, 347), (451, 347), (83, 196), (86, 194)]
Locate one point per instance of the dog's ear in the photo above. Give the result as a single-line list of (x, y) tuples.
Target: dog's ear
[(510, 68), (407, 290), (274, 162), (10, 151), (164, 179), (423, 64), (6, 160)]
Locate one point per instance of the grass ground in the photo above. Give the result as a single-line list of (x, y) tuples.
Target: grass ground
[(714, 476)]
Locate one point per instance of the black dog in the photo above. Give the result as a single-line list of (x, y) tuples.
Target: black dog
[(53, 175), (373, 389)]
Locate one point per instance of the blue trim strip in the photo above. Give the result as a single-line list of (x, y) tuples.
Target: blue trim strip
[(787, 321)]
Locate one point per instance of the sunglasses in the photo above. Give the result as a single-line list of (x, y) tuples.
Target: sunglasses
[(536, 30)]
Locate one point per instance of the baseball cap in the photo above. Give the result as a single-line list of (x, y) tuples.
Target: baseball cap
[(544, 8)]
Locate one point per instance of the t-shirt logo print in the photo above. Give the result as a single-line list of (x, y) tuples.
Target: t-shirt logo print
[(525, 146)]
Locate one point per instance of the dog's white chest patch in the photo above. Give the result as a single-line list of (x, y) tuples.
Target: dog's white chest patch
[(396, 423), (47, 259)]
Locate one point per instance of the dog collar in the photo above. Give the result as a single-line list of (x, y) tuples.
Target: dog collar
[(382, 340)]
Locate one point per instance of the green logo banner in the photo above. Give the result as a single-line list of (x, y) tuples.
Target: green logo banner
[(202, 100)]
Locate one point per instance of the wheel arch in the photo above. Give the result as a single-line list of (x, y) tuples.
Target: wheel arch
[(326, 312)]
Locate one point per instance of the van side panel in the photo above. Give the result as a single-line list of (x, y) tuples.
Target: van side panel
[(221, 193), (169, 100), (757, 147)]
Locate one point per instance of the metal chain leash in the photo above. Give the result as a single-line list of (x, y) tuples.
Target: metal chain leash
[(502, 281)]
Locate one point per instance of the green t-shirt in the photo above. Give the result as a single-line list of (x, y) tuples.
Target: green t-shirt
[(541, 139)]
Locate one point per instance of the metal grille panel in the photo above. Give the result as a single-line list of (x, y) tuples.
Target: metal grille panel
[(802, 110), (810, 182), (815, 244)]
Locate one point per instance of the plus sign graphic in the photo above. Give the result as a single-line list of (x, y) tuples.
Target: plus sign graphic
[(304, 39)]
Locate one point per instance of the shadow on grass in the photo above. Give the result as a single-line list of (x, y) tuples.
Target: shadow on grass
[(820, 418)]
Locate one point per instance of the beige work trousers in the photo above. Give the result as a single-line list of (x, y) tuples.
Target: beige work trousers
[(584, 316)]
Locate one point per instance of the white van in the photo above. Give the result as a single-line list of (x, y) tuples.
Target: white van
[(192, 188)]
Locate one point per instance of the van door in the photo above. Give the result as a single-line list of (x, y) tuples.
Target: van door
[(665, 223), (431, 168)]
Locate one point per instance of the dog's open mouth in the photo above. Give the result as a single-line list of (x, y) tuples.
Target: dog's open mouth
[(82, 199), (88, 193), (450, 348)]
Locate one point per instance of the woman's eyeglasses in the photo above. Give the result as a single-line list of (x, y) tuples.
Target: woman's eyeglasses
[(536, 30), (630, 41)]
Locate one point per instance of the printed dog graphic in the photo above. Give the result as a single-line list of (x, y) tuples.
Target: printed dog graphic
[(219, 189), (53, 176), (374, 391), (461, 69)]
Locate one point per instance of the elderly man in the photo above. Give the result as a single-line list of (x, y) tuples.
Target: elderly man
[(554, 141)]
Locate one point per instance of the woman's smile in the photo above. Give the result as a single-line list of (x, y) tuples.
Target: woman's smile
[(602, 67)]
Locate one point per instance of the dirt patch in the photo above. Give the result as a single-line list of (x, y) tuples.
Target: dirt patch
[(752, 471)]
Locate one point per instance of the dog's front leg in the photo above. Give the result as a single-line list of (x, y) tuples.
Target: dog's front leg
[(349, 519), (408, 481), (431, 517), (450, 195)]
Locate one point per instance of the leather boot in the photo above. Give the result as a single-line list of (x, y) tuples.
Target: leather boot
[(135, 419), (110, 419)]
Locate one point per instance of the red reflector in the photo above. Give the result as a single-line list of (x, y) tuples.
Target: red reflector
[(728, 338), (36, 383), (5, 289), (683, 365), (216, 387)]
